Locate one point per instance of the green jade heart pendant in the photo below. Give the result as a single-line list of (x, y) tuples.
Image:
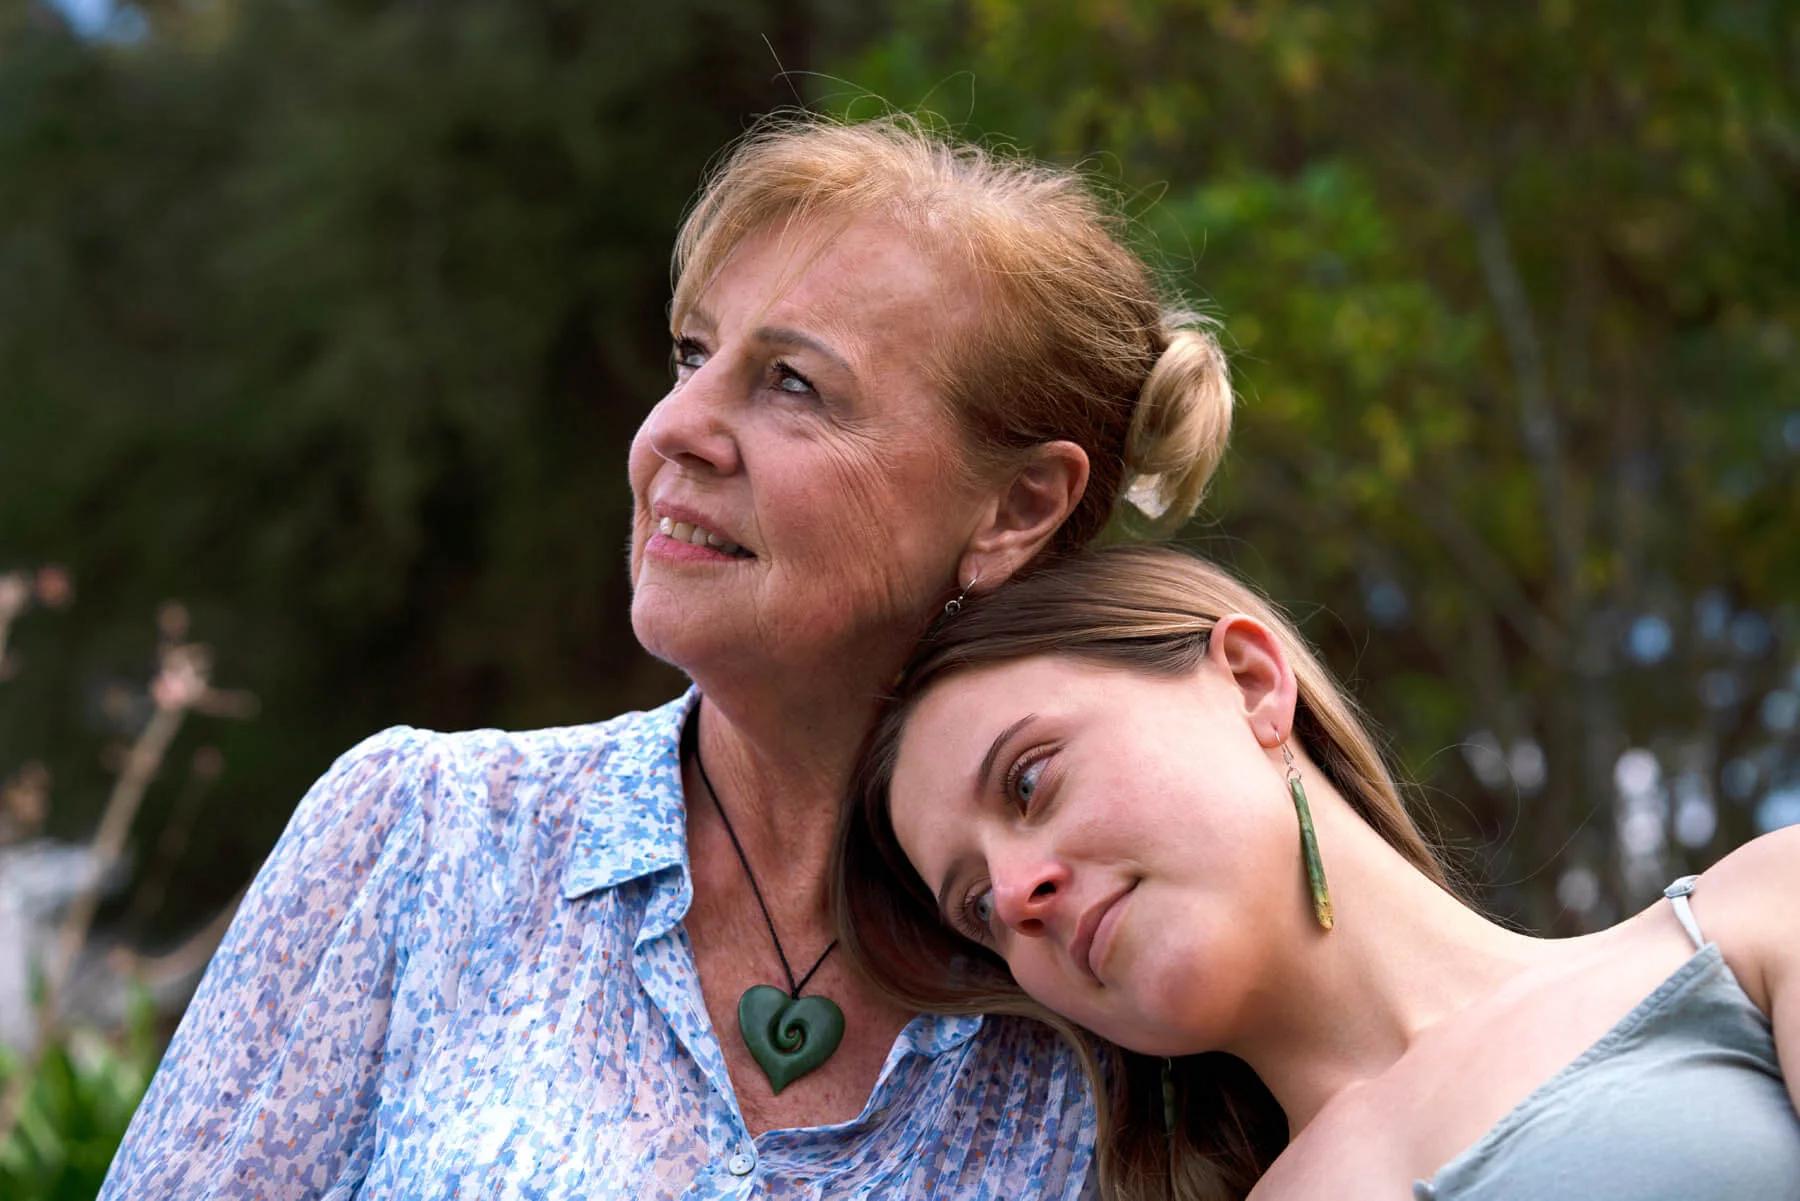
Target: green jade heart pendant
[(788, 1036)]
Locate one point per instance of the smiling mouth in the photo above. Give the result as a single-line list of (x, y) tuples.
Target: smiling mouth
[(1088, 932), (694, 535)]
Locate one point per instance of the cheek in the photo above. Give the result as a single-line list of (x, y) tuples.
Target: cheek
[(874, 484), (1190, 808), (1188, 981), (1128, 1015), (641, 461), (1043, 980), (640, 472), (873, 521), (1168, 983)]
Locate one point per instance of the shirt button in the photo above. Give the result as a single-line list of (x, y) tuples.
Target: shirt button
[(740, 1164)]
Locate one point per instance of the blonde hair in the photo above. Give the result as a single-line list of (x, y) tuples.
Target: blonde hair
[(1146, 609), (1075, 340)]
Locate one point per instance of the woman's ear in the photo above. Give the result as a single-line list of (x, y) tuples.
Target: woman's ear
[(1248, 653), (1025, 514)]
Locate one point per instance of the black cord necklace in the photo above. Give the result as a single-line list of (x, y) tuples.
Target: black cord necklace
[(787, 1034)]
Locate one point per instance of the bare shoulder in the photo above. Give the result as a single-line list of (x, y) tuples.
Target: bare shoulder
[(1336, 1147), (1746, 904)]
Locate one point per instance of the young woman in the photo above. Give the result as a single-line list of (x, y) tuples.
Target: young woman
[(1122, 794)]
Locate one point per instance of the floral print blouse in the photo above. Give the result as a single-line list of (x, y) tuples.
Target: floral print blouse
[(462, 973)]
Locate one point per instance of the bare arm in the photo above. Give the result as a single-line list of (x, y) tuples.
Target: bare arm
[(1749, 903)]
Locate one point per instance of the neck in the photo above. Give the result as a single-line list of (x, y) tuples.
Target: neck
[(1353, 1001), (780, 763)]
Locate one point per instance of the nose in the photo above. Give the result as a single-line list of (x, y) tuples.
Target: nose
[(1029, 892), (691, 426)]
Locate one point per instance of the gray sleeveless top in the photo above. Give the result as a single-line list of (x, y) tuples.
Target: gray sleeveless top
[(1683, 1100)]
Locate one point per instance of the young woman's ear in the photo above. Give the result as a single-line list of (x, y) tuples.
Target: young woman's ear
[(1251, 657), (1025, 513)]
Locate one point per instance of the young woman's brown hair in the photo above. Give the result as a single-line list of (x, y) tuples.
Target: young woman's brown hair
[(1147, 609)]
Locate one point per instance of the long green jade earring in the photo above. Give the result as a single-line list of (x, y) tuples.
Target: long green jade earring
[(1309, 843)]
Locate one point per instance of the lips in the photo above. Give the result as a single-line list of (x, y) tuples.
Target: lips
[(1090, 930), (689, 526)]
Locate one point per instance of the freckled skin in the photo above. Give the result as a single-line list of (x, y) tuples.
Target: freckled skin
[(1391, 1043), (1154, 782), (843, 496)]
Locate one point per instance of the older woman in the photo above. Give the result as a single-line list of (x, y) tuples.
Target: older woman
[(598, 961)]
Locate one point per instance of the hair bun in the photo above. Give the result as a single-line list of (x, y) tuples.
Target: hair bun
[(1181, 424)]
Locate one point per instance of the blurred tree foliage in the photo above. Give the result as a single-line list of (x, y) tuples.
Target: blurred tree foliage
[(334, 319), (1512, 294)]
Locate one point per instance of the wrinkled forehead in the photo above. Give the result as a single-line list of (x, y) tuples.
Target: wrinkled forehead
[(866, 277)]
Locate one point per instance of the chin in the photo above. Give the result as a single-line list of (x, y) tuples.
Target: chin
[(1150, 1031), (1162, 1000), (693, 641), (661, 629)]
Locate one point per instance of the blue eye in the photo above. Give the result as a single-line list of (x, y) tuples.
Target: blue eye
[(974, 914), (689, 355), (789, 380), (1026, 778)]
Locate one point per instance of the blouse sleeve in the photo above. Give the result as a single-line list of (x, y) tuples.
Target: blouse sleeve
[(269, 1086)]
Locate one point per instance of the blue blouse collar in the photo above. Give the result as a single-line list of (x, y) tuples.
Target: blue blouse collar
[(634, 823)]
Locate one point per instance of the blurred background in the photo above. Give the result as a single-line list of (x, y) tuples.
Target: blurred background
[(324, 326)]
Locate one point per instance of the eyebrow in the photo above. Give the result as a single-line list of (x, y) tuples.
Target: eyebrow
[(981, 785), (779, 335), (993, 751)]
